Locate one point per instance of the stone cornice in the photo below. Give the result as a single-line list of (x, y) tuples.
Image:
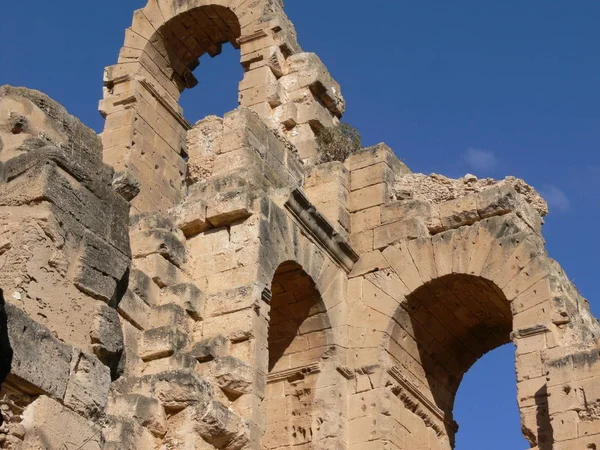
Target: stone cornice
[(296, 372), (319, 228), (413, 399), (531, 331), (182, 120)]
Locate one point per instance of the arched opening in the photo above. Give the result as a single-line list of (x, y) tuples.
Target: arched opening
[(217, 90), (299, 339), (486, 404), (185, 38), (446, 326), (145, 131), (189, 41)]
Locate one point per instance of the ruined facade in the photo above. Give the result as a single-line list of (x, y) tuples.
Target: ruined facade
[(213, 286)]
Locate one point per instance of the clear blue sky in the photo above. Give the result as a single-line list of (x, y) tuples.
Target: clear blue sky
[(490, 88)]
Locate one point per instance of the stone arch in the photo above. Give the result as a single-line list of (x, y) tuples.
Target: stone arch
[(299, 342), (145, 131), (467, 291), (308, 385)]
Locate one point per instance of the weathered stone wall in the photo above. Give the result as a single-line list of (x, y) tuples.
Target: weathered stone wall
[(449, 270), (64, 260), (170, 286), (145, 131)]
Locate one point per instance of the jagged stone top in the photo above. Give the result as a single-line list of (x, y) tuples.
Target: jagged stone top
[(437, 188), (29, 119)]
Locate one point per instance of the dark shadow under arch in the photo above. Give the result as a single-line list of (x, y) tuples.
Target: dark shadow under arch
[(298, 320), (452, 321), (189, 35), (299, 338)]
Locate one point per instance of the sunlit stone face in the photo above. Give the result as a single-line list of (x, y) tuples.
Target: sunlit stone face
[(23, 127)]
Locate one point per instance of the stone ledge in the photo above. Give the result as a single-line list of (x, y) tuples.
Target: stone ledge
[(413, 398), (296, 372), (319, 228)]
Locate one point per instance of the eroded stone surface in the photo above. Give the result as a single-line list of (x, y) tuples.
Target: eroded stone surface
[(211, 287)]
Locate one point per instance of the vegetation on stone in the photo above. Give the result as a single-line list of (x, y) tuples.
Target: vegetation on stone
[(338, 143)]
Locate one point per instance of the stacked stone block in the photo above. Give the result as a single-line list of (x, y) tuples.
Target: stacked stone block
[(252, 298)]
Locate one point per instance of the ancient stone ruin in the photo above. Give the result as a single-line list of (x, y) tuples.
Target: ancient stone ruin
[(215, 286)]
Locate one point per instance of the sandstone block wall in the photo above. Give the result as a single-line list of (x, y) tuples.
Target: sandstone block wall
[(210, 286)]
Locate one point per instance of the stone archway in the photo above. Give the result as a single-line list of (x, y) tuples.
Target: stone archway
[(299, 341), (145, 131), (455, 319), (468, 291)]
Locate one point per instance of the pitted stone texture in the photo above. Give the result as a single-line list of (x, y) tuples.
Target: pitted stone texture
[(438, 188), (40, 361), (31, 120), (246, 320)]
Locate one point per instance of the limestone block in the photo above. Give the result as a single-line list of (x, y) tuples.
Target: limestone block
[(229, 208), (530, 215), (366, 219), (125, 433), (161, 342), (181, 388), (98, 267), (143, 286), (44, 115), (210, 349), (362, 242), (161, 271), (369, 262), (564, 425), (234, 377), (286, 114), (133, 309), (496, 201), (257, 77), (330, 172), (190, 217), (88, 386), (327, 192), (93, 282), (231, 300), (178, 361), (310, 72), (126, 185), (237, 326), (368, 197), (220, 427), (409, 209), (186, 295), (41, 363), (107, 337), (403, 230), (459, 212), (237, 139), (48, 181), (400, 260), (166, 315), (158, 241), (230, 198), (49, 425), (148, 412), (311, 111), (374, 155), (271, 93), (379, 172), (150, 221)]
